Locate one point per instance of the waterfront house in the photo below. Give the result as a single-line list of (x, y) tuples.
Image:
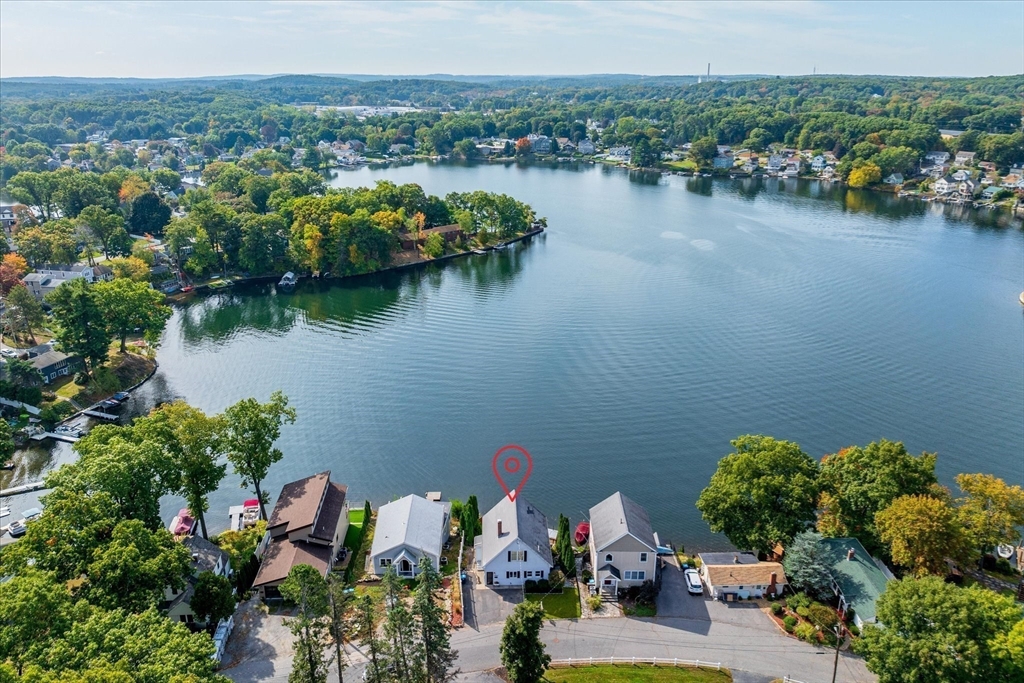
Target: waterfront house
[(828, 173), (408, 530), (960, 175), (775, 163), (1011, 181), (307, 526), (964, 158), (585, 146), (53, 364), (723, 161), (945, 185), (620, 153), (539, 144), (750, 165), (792, 169), (450, 233), (857, 578), (969, 187), (206, 557), (818, 163), (513, 547), (937, 158), (894, 179), (623, 549), (729, 576)]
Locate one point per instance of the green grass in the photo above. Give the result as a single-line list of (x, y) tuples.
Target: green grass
[(640, 610), (357, 517), (624, 673), (564, 605), (684, 165)]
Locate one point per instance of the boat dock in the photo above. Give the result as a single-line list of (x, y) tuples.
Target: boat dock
[(97, 413), (41, 436), (24, 488)]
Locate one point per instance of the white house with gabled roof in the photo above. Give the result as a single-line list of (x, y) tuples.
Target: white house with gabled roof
[(623, 547), (513, 547), (407, 530)]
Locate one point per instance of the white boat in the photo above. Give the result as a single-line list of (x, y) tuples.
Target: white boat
[(4, 511), (288, 280)]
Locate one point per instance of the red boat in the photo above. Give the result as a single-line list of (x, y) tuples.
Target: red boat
[(582, 533)]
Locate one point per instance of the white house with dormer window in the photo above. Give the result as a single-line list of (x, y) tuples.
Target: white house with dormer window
[(513, 547)]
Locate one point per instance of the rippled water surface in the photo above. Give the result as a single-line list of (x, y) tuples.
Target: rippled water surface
[(657, 319)]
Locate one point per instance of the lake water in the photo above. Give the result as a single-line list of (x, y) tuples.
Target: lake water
[(655, 320)]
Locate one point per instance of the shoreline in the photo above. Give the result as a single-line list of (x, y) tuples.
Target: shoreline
[(179, 297)]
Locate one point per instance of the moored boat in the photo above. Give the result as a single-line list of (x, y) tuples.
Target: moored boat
[(288, 280), (183, 523), (582, 533)]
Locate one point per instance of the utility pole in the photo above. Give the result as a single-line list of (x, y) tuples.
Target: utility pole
[(839, 641)]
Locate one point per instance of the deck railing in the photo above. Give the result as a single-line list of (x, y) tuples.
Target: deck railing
[(633, 661)]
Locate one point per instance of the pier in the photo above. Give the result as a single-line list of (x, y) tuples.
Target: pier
[(100, 414), (42, 436)]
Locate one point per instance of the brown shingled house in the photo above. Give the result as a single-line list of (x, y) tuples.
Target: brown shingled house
[(307, 526)]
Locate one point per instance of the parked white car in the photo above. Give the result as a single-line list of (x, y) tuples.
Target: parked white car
[(693, 584)]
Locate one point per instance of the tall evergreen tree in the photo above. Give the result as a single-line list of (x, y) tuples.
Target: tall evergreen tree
[(522, 653), (399, 628), (435, 657), (563, 546), (308, 590), (338, 598), (375, 648)]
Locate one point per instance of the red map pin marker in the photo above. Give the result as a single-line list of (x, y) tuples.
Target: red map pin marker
[(511, 464)]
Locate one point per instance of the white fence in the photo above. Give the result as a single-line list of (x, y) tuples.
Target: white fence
[(650, 661)]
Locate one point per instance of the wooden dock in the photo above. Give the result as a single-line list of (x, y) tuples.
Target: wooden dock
[(24, 488), (42, 436), (99, 414)]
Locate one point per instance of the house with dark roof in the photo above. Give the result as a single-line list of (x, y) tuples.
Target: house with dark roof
[(623, 547), (53, 364), (858, 579), (307, 526), (513, 547), (408, 530), (206, 557)]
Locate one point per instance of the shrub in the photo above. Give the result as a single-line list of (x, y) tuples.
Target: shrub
[(853, 629), (81, 379), (587, 576), (555, 577), (806, 632), (543, 585), (647, 593), (789, 623), (530, 586), (798, 600), (803, 611), (1003, 566), (776, 609), (594, 603)]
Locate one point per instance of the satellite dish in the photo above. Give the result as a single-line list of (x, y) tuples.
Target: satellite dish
[(1004, 551)]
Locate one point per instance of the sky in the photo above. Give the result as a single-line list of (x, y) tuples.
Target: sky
[(192, 39)]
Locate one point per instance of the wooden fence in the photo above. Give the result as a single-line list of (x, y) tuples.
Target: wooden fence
[(633, 661)]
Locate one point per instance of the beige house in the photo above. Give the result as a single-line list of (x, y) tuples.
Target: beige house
[(307, 526), (623, 548), (729, 576)]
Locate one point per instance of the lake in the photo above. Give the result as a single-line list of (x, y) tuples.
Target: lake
[(658, 318)]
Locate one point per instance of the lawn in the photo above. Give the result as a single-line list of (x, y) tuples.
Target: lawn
[(624, 673), (564, 605), (685, 165)]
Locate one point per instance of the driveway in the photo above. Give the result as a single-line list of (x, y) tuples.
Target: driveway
[(485, 606), (675, 601)]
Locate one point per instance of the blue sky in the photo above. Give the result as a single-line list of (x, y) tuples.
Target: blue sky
[(183, 39)]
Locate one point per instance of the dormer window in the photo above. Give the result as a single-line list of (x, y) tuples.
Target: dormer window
[(608, 557)]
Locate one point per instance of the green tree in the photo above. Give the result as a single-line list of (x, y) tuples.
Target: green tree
[(148, 214), (807, 565), (6, 440), (703, 150), (563, 546), (76, 190), (149, 646), (434, 655), (337, 620), (81, 329), (264, 242), (251, 428), (921, 532), (936, 631), (127, 305), (36, 608), (470, 520), (375, 647), (308, 590), (521, 651), (130, 268), (24, 312), (193, 442), (433, 246), (399, 628), (762, 494), (34, 189), (133, 569), (213, 598), (857, 482), (106, 226)]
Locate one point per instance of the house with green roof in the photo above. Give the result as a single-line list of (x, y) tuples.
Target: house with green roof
[(857, 578)]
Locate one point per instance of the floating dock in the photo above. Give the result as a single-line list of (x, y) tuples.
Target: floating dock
[(99, 414), (42, 436)]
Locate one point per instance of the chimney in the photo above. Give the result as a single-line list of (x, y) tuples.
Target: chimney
[(195, 557), (771, 584), (735, 559), (499, 528), (850, 553)]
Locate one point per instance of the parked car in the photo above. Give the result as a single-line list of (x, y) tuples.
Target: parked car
[(693, 584)]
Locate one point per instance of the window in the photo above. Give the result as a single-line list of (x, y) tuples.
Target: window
[(741, 587), (517, 556), (633, 575), (643, 557), (540, 575), (608, 557), (385, 561), (511, 575), (527, 574)]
